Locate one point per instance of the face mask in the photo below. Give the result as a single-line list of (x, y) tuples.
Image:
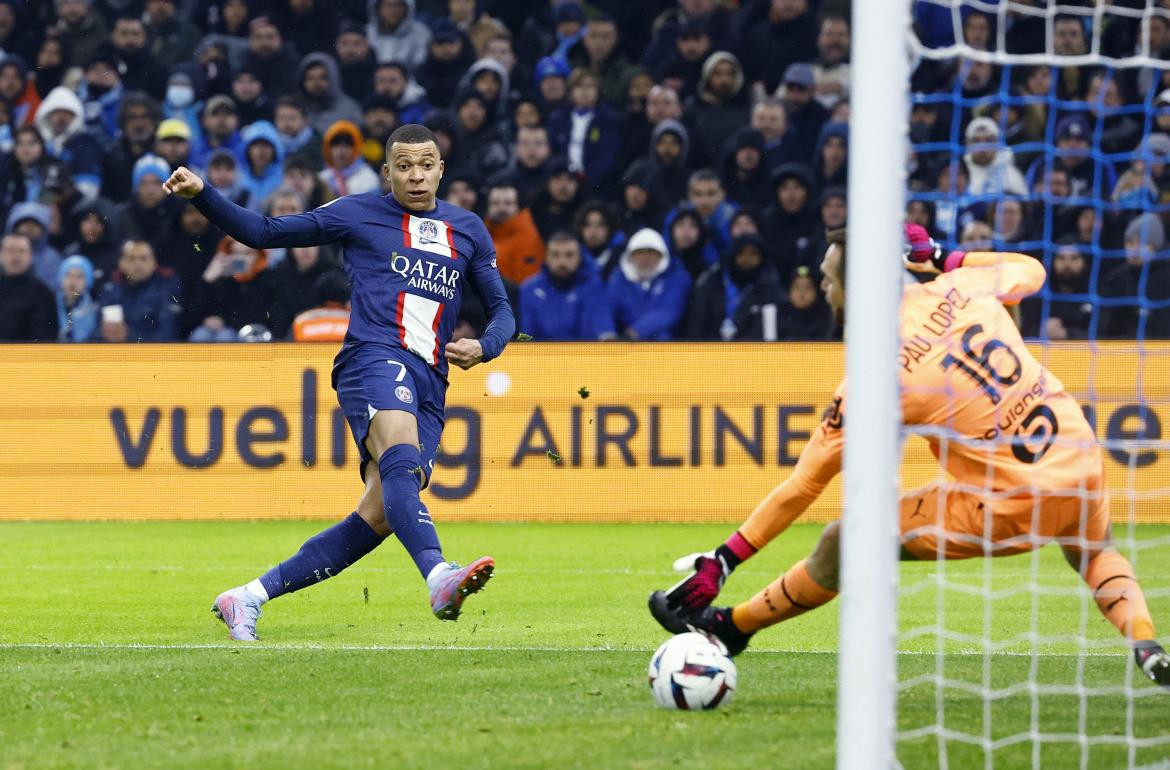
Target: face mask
[(180, 96)]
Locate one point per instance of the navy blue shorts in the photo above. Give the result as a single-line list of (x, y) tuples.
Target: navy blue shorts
[(370, 378)]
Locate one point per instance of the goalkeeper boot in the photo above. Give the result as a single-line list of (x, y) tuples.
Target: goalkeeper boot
[(239, 609), (673, 619), (1153, 661), (455, 583), (717, 622)]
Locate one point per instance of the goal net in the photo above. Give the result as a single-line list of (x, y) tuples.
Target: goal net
[(1041, 128)]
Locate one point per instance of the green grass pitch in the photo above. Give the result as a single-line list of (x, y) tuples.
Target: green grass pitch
[(109, 657)]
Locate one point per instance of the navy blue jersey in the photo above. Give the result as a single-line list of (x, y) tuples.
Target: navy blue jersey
[(408, 269)]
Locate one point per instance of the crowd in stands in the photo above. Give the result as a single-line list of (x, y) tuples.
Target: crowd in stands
[(658, 170)]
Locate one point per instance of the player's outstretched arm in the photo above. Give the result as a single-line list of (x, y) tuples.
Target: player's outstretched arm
[(245, 226)]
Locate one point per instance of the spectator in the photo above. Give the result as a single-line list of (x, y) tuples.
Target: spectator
[(748, 220), (555, 205), (498, 48), (185, 249), (519, 248), (51, 64), (992, 168), (601, 242), (661, 104), (599, 52), (174, 37), (15, 37), (61, 123), (738, 297), (831, 67), (1069, 317), (805, 316), (80, 28), (462, 191), (649, 291), (378, 121), (681, 71), (718, 110), (320, 88), (328, 320), (301, 174), (1119, 131), (150, 212), (149, 299), (790, 36), (448, 57), (223, 173), (143, 72), (977, 235), (395, 34), (551, 78), (529, 164), (296, 284), (1140, 186), (664, 170), (690, 243), (566, 300), (1143, 278), (392, 81), (312, 24), (484, 150), (252, 104), (229, 31), (792, 222), (346, 173), (183, 98), (706, 196), (235, 290), (832, 156), (355, 60), (296, 135), (263, 165), (638, 208), (744, 173), (220, 130), (101, 93), (32, 220), (1008, 218), (770, 119), (589, 134), (77, 312), (27, 306), (1088, 176), (270, 56), (96, 224), (24, 169), (831, 214), (172, 143), (489, 80), (16, 88), (138, 121), (805, 114)]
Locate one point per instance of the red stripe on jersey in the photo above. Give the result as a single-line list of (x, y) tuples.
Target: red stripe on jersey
[(435, 328), (451, 241), (405, 240), (398, 318)]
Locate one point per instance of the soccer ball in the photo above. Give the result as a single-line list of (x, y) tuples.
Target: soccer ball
[(692, 671)]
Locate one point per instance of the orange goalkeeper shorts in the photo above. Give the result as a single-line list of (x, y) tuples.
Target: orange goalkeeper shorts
[(963, 524)]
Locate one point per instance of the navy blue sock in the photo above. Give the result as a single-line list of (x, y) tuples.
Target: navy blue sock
[(401, 470), (322, 556)]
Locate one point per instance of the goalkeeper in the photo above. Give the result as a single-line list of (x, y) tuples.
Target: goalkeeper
[(1026, 466)]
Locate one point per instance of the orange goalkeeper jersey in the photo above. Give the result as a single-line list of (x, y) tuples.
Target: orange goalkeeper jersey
[(994, 416)]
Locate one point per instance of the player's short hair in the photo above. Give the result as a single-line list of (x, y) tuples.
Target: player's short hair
[(411, 133)]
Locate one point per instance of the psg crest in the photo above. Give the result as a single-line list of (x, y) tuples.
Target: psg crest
[(428, 230)]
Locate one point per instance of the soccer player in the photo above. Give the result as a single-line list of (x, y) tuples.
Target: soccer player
[(409, 258), (1027, 467)]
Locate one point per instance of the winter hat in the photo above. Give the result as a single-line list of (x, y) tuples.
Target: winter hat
[(150, 164), (549, 67), (1148, 227), (76, 262)]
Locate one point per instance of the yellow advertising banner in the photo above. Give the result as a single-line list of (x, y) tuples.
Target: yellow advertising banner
[(550, 432)]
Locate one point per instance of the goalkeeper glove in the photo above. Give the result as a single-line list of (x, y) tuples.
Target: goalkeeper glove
[(699, 589), (921, 249)]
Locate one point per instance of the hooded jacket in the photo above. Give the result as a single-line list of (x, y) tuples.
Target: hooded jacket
[(653, 307), (46, 259), (755, 187), (102, 254), (407, 44), (731, 304), (74, 146), (78, 323), (789, 233), (261, 184), (441, 78), (574, 309), (840, 177), (519, 248), (27, 309), (355, 178), (336, 105), (709, 120), (498, 112), (666, 184)]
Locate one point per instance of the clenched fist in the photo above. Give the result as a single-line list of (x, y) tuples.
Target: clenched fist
[(464, 353), (183, 183)]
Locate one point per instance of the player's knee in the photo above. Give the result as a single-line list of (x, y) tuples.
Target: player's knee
[(822, 564)]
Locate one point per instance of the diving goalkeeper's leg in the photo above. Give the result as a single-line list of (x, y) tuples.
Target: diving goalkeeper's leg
[(321, 557), (1119, 596), (808, 584)]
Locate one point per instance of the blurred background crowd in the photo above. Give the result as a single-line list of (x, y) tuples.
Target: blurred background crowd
[(655, 170)]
